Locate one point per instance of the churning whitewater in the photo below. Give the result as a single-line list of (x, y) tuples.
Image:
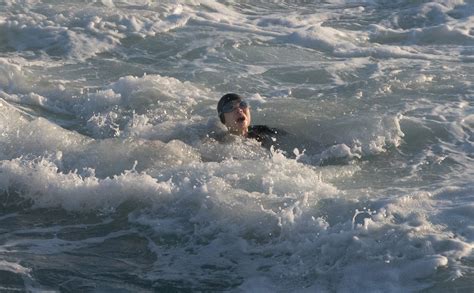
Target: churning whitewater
[(110, 179)]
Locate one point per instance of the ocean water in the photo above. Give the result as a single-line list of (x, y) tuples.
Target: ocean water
[(109, 181)]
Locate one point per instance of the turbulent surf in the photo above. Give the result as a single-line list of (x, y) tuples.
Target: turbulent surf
[(109, 180)]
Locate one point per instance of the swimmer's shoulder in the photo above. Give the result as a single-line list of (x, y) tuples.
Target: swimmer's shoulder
[(257, 130)]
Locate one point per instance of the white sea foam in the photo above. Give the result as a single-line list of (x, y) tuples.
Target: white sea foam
[(13, 267), (46, 187), (156, 102), (87, 30), (108, 152)]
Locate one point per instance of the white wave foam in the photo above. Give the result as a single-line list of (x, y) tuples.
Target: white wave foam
[(12, 77), (337, 44), (13, 267), (32, 31), (442, 35), (42, 182), (85, 31), (21, 85), (374, 136), (142, 106), (207, 209), (398, 245)]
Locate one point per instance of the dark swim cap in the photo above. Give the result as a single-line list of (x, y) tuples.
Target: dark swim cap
[(224, 100)]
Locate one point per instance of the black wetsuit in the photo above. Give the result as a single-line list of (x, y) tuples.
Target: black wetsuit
[(267, 136)]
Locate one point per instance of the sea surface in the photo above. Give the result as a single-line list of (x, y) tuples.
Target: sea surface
[(111, 182)]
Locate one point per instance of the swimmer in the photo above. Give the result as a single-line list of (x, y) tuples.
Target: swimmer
[(234, 113)]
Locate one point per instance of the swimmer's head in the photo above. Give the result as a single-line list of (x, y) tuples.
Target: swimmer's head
[(234, 112)]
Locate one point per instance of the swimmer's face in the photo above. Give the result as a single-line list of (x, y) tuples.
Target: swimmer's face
[(238, 118)]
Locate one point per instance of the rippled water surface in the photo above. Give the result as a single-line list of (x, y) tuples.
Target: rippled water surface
[(110, 182)]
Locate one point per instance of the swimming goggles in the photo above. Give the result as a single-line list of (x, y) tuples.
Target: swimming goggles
[(229, 107)]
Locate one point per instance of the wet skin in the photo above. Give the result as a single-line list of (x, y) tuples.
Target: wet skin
[(238, 120)]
